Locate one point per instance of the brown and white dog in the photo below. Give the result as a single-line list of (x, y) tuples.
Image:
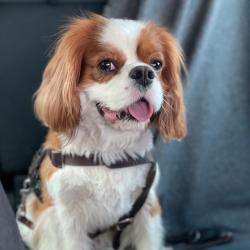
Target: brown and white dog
[(106, 83)]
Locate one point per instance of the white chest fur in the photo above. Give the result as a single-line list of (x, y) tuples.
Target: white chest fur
[(95, 197), (88, 198), (100, 194)]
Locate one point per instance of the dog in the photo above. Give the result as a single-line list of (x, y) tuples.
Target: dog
[(108, 82)]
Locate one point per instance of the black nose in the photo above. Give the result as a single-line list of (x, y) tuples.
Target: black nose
[(142, 75)]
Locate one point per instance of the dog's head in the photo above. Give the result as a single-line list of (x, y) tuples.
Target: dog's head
[(124, 73)]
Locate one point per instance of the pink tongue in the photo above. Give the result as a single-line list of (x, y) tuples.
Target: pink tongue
[(110, 115), (141, 111)]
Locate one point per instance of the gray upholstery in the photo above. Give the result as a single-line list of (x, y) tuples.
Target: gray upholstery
[(9, 235), (205, 178)]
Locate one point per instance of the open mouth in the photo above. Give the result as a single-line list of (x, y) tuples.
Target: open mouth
[(140, 111)]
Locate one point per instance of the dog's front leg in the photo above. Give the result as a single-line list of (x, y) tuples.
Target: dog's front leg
[(74, 230), (147, 232), (71, 209)]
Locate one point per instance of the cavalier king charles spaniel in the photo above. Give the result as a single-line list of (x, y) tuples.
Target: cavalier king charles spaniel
[(109, 81)]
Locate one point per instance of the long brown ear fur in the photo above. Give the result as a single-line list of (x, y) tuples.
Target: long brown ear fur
[(172, 120), (57, 102)]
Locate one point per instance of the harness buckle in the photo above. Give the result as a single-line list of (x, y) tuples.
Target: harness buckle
[(25, 190), (27, 183), (122, 224)]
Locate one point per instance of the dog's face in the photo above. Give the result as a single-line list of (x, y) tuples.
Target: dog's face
[(125, 72)]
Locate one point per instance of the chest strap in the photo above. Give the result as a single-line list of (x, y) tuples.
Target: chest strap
[(59, 160)]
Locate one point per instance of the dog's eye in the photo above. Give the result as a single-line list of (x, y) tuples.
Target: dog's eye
[(106, 66), (156, 64)]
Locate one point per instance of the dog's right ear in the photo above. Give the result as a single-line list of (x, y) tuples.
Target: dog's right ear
[(172, 116), (57, 102)]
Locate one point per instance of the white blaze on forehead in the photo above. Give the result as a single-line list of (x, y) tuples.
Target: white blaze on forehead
[(123, 34)]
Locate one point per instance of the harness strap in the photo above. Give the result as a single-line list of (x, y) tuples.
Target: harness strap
[(23, 219), (58, 160), (128, 218), (33, 173)]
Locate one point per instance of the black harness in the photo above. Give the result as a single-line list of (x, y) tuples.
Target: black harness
[(33, 184)]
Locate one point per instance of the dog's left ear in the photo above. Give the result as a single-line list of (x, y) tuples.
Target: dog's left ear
[(57, 102), (172, 119)]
